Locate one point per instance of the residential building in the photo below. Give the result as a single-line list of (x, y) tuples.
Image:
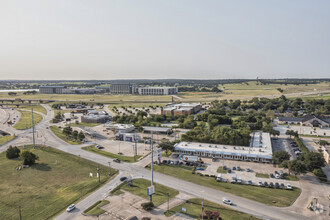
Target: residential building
[(260, 149)]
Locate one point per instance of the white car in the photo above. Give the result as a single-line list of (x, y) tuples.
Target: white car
[(71, 207), (260, 183), (227, 201), (289, 186)]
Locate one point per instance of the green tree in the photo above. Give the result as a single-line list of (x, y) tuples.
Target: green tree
[(12, 152), (166, 145), (297, 167), (323, 143), (67, 131), (28, 157), (81, 136), (75, 134), (280, 156), (313, 160)]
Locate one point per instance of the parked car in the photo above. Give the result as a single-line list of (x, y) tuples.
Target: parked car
[(229, 170), (164, 161), (276, 172), (99, 147), (181, 163), (277, 185), (116, 160), (282, 185), (288, 186), (248, 170), (271, 175), (224, 168), (227, 201), (277, 176), (265, 184), (123, 178), (249, 182), (234, 168), (271, 184), (71, 207), (260, 183), (199, 168), (239, 168)]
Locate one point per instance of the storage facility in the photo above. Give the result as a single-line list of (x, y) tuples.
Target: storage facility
[(260, 149)]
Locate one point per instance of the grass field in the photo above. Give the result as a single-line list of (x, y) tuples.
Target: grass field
[(25, 121), (58, 132), (5, 139), (95, 209), (262, 175), (140, 186), (36, 108), (221, 170), (48, 187), (127, 159), (194, 209), (84, 124), (269, 196)]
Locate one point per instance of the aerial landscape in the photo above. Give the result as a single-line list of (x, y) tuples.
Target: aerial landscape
[(164, 110)]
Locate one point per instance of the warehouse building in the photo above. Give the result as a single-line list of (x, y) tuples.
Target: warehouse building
[(157, 90), (51, 89), (260, 149), (181, 109)]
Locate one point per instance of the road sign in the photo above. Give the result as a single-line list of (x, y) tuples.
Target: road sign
[(151, 190)]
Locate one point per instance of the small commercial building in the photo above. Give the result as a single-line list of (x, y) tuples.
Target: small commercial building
[(131, 137), (260, 149), (95, 118), (157, 130), (307, 120), (51, 89), (123, 128), (181, 109), (157, 90)]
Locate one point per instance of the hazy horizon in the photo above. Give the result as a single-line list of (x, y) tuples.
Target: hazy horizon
[(108, 40)]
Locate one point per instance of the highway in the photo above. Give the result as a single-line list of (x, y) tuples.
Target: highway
[(137, 170)]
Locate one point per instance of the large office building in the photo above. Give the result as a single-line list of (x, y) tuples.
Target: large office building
[(51, 89), (121, 88), (157, 90), (181, 109), (260, 149)]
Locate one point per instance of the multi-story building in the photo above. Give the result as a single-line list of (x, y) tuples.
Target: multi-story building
[(157, 90), (181, 109), (121, 88), (51, 89)]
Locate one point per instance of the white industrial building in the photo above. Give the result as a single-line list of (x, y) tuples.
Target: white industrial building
[(260, 149), (123, 128)]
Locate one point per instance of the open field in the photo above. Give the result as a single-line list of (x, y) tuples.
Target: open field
[(127, 159), (140, 186), (84, 124), (221, 170), (269, 196), (194, 210), (26, 120), (58, 132), (95, 209), (5, 139), (36, 108), (48, 187)]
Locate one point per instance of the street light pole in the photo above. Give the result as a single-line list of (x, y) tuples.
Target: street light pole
[(109, 168), (19, 211), (152, 162), (98, 173), (34, 141)]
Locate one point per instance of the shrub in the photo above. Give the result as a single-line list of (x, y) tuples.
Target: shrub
[(147, 206), (320, 174), (12, 152), (28, 157)]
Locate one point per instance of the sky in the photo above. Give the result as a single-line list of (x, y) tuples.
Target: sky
[(153, 39)]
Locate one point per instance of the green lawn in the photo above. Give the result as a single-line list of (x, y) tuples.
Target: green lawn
[(26, 120), (269, 196), (221, 170), (290, 177), (84, 124), (48, 187), (194, 209), (95, 209), (140, 186), (262, 175), (5, 139), (36, 108), (58, 132), (127, 159)]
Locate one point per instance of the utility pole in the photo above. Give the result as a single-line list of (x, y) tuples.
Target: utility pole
[(152, 162), (109, 168), (19, 211), (98, 173), (34, 141), (135, 150)]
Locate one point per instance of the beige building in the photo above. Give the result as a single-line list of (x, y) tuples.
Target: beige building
[(326, 154)]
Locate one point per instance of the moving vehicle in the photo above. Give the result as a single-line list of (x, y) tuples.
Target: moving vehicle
[(71, 207), (192, 159), (227, 201)]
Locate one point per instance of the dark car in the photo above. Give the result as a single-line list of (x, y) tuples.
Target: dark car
[(164, 161), (181, 163), (123, 178), (277, 185), (169, 162), (224, 168), (276, 172), (282, 185), (265, 184), (271, 184), (272, 175), (239, 168), (248, 170), (249, 182), (234, 168), (116, 160), (229, 170)]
